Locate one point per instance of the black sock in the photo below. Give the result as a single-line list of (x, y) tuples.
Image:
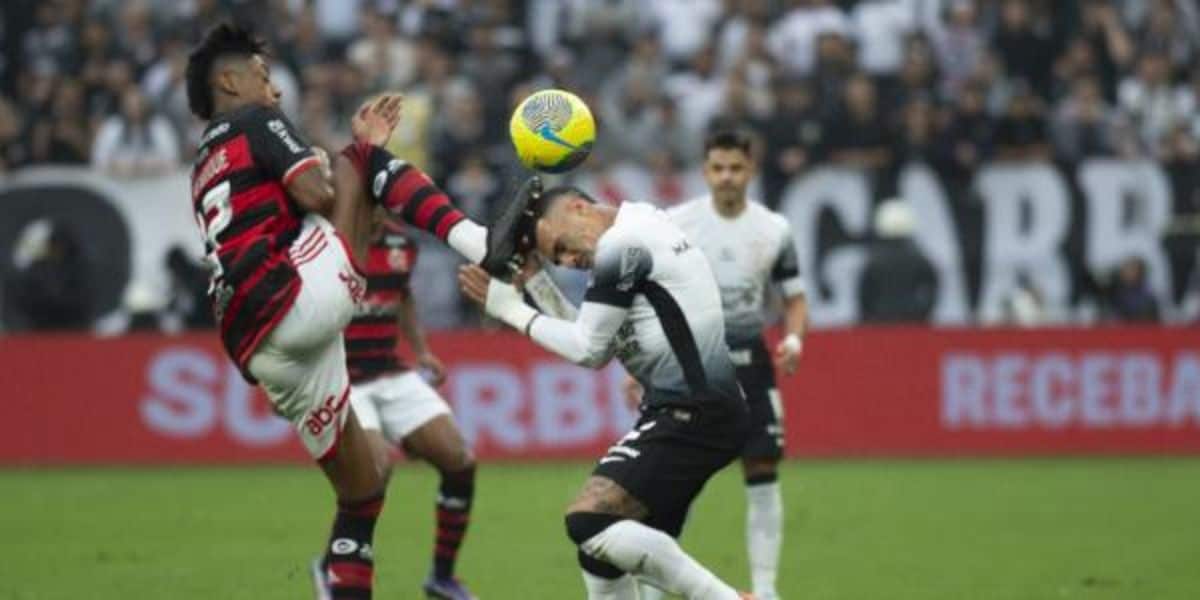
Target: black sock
[(453, 515), (349, 560)]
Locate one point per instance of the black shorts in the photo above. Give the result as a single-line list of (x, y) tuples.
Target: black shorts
[(756, 374), (668, 456)]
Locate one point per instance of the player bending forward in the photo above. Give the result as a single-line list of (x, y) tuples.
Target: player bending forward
[(652, 303), (397, 407), (283, 282), (748, 247)]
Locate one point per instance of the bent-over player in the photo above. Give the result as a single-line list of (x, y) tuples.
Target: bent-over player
[(653, 304)]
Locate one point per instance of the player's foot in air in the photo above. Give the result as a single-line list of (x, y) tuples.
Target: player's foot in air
[(449, 588), (320, 579)]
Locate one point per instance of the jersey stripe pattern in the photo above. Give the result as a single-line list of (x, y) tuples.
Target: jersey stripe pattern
[(246, 159), (371, 338)]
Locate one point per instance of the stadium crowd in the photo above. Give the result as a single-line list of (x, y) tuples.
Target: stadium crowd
[(873, 84)]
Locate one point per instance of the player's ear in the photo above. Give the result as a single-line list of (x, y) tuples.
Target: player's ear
[(225, 76)]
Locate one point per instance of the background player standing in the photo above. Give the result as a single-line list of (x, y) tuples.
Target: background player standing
[(395, 404), (748, 247), (655, 305)]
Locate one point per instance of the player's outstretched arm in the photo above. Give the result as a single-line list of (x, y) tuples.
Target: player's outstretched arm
[(587, 341)]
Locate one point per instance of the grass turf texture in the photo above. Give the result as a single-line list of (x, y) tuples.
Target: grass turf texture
[(1121, 528)]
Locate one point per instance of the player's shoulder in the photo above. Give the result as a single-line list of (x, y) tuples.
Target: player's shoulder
[(768, 218), (689, 207), (637, 224)]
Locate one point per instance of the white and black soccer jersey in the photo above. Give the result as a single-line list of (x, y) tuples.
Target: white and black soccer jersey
[(654, 305), (745, 253)]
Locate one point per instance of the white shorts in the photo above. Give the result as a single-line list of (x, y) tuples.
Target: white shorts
[(302, 363), (396, 405)]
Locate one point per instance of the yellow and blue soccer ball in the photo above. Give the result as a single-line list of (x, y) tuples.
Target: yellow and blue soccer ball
[(552, 131)]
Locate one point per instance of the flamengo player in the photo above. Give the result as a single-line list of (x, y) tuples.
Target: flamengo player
[(749, 247), (284, 284), (397, 407)]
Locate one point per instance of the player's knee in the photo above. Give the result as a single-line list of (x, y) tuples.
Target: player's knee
[(760, 470), (583, 526)]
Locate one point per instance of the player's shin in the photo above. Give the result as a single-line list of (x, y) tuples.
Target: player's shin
[(764, 532), (349, 559), (455, 496), (606, 582), (640, 550)]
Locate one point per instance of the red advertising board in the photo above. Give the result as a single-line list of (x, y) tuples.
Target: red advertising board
[(859, 392)]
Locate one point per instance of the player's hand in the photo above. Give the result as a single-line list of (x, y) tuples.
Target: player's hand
[(474, 283), (326, 166), (787, 357), (437, 371), (375, 119), (531, 263), (632, 390)]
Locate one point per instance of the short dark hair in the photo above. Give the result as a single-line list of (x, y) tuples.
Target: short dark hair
[(537, 209), (222, 40), (728, 139)]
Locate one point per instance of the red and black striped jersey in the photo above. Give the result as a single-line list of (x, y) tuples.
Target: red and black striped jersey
[(239, 195), (371, 338)]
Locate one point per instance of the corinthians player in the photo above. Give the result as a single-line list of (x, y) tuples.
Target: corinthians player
[(654, 305), (749, 247)]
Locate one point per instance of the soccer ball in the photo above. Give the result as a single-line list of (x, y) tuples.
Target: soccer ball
[(552, 131)]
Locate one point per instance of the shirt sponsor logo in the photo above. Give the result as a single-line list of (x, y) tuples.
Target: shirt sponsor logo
[(215, 132), (280, 130), (325, 414)]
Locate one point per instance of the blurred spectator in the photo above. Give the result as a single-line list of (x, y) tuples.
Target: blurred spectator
[(834, 65), (1027, 49), (793, 39), (859, 137), (1180, 157), (699, 92), (1111, 48), (475, 188), (1021, 132), (968, 136), (461, 129), (747, 18), (164, 87), (47, 45), (959, 43), (1128, 296), (1083, 123), (386, 59), (898, 284), (14, 147), (794, 139), (137, 142), (917, 140), (1148, 98), (63, 136), (916, 79), (337, 21), (50, 289), (1169, 30), (135, 35), (684, 26), (881, 28)]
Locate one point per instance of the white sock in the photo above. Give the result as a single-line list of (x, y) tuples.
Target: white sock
[(764, 536), (469, 239), (599, 588), (654, 555), (649, 592)]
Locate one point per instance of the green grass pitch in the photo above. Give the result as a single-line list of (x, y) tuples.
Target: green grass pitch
[(921, 530)]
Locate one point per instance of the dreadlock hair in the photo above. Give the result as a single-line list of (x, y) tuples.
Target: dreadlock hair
[(225, 39)]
